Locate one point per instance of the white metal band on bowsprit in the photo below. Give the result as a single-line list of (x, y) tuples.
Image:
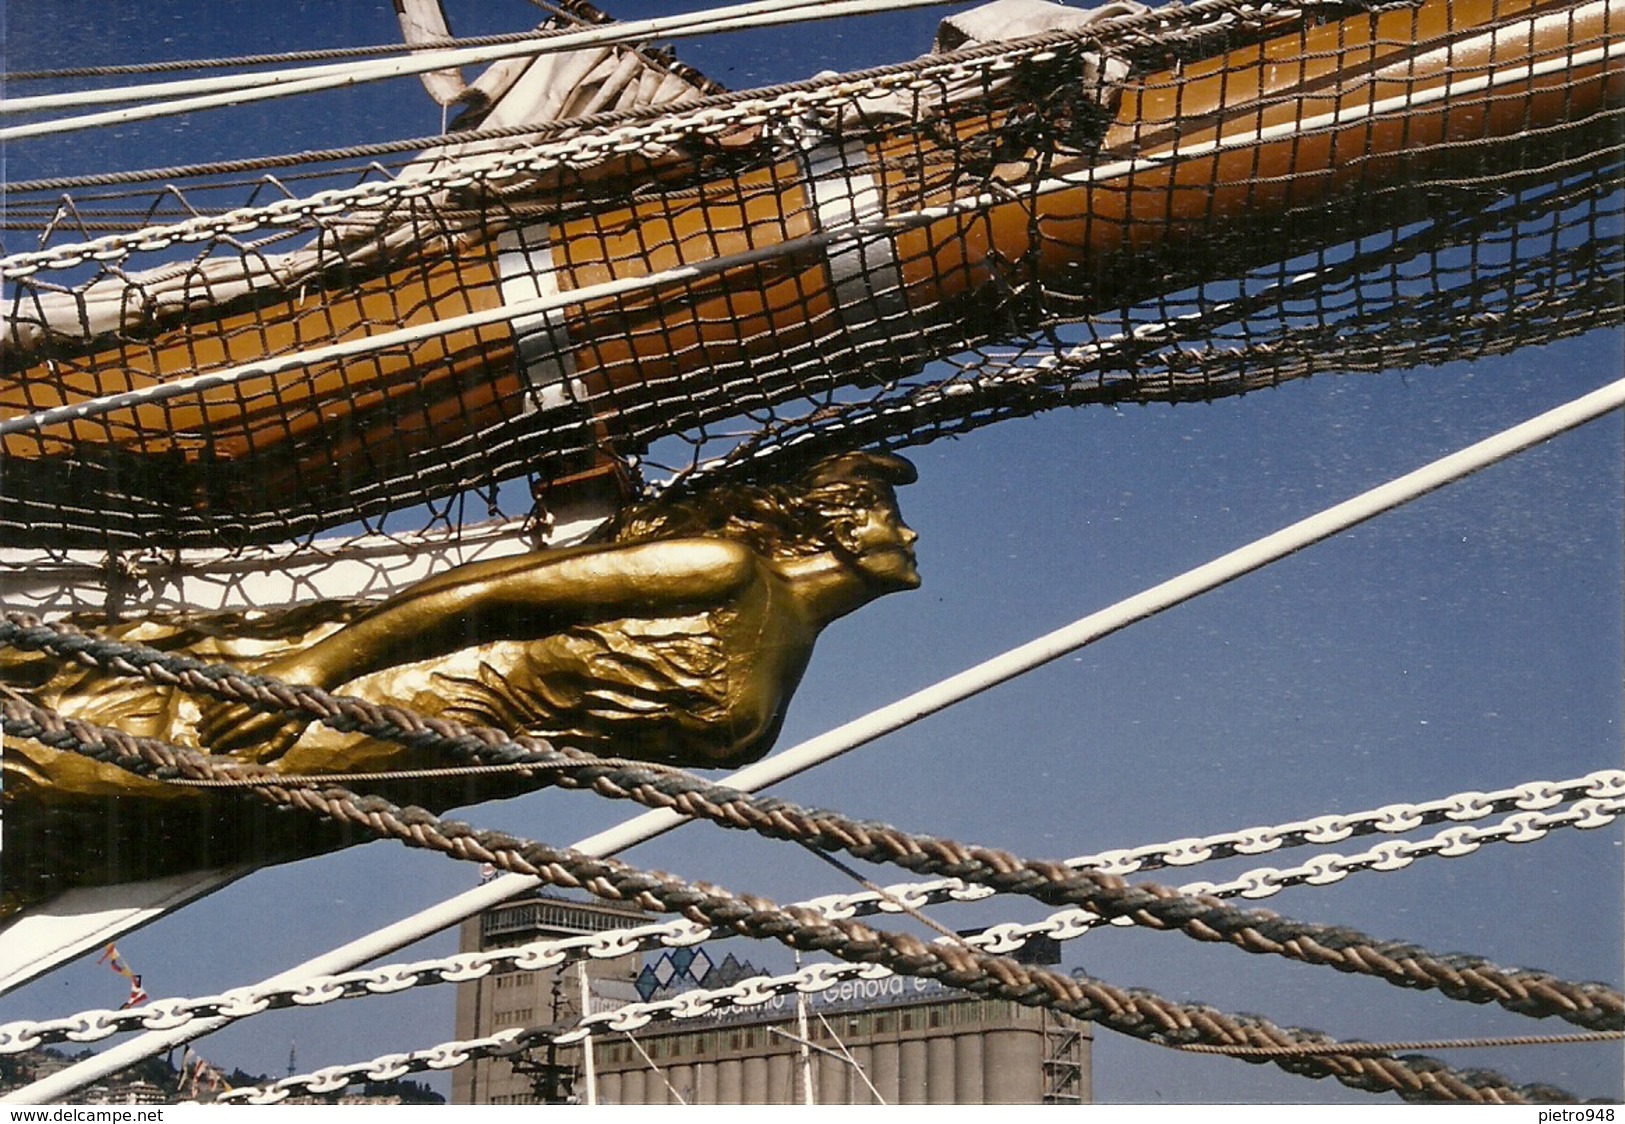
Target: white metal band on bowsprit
[(541, 340), (864, 280)]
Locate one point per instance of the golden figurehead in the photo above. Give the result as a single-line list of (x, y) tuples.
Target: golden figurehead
[(679, 639)]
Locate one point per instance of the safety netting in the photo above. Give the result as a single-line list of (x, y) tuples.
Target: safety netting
[(1125, 205)]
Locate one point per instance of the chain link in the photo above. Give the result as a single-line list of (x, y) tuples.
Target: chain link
[(1605, 803), (1062, 925)]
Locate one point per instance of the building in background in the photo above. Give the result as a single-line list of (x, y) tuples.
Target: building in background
[(892, 1040), (536, 998)]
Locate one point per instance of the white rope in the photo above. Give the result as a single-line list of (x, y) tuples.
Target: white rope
[(846, 1055), (188, 95), (1599, 798), (650, 1062), (905, 711), (885, 225), (499, 166), (1062, 925)]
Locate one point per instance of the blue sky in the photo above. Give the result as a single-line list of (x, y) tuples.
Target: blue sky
[(1469, 641)]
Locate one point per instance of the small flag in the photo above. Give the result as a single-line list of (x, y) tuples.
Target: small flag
[(113, 960)]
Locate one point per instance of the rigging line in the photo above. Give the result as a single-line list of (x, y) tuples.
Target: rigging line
[(650, 1062), (1532, 993), (1138, 1014), (1357, 1049), (809, 1043), (846, 1056), (315, 54), (1062, 925), (44, 191), (265, 778), (1132, 29), (912, 708), (423, 58), (793, 98), (239, 90), (841, 232), (886, 895)]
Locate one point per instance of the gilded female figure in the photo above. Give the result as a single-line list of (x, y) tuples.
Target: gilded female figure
[(680, 640)]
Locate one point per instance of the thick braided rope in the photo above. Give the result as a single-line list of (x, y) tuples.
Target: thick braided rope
[(1593, 1006), (1063, 925), (1140, 1014), (1137, 1013), (1414, 1078)]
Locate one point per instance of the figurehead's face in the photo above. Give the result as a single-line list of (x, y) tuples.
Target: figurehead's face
[(880, 546), (864, 525)]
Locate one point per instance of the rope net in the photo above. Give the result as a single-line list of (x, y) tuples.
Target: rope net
[(1157, 205)]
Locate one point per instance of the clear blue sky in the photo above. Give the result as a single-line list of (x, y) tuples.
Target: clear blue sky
[(1469, 641)]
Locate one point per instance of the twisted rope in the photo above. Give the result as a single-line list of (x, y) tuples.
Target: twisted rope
[(1063, 925), (1356, 1048), (1136, 1012), (1593, 1006), (1414, 1078)]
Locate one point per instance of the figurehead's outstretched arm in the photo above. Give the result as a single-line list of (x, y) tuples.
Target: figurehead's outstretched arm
[(517, 598), (529, 596)]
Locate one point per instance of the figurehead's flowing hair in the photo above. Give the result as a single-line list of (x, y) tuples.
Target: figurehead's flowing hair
[(778, 521)]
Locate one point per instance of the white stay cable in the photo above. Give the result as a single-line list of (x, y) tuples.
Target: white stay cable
[(650, 1062), (905, 711), (187, 95)]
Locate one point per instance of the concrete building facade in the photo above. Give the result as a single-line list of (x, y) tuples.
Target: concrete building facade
[(892, 1040), (936, 1048), (550, 997)]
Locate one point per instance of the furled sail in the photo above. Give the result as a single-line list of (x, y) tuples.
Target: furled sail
[(504, 306)]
